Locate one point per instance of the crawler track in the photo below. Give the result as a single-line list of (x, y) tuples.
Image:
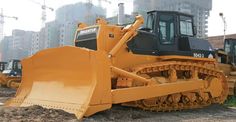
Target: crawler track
[(172, 71)]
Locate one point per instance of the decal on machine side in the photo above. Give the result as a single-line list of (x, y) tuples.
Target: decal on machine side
[(198, 55)]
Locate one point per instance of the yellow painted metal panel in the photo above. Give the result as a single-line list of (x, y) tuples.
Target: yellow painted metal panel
[(67, 78)]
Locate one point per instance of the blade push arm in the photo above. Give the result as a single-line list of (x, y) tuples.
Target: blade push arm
[(129, 34)]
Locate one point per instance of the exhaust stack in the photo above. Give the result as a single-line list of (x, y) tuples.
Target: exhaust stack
[(121, 14)]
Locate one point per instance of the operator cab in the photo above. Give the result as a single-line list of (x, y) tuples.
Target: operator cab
[(169, 33), (230, 50), (13, 68)]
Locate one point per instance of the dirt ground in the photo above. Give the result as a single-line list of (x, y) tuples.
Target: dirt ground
[(116, 114)]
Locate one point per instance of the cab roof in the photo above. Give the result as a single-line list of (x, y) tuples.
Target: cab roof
[(170, 12)]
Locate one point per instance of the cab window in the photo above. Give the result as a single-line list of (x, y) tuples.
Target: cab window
[(19, 65), (1, 66), (234, 50), (227, 47), (10, 65), (186, 26), (150, 22), (166, 29)]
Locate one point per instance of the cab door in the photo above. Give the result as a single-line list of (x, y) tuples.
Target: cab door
[(166, 31), (17, 67)]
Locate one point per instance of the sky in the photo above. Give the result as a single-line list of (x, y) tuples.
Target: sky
[(29, 14), (215, 22)]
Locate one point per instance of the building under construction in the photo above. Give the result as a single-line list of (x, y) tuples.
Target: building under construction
[(198, 8), (60, 32)]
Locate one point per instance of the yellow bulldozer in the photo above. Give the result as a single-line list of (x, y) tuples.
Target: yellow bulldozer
[(11, 75), (159, 67), (227, 59)]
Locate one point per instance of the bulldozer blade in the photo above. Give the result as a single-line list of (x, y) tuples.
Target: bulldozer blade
[(69, 78)]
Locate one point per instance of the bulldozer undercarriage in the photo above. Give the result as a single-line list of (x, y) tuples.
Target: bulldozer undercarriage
[(215, 91)]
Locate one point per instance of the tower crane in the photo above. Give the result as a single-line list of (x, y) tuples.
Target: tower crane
[(2, 17), (44, 8)]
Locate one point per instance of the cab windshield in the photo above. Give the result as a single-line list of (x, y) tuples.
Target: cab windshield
[(14, 65), (186, 26)]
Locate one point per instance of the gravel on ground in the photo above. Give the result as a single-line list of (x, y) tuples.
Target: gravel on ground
[(118, 113)]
